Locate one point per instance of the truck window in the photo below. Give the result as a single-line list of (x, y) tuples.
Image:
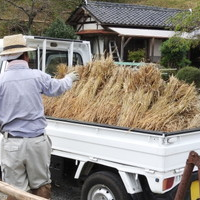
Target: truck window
[(33, 59), (54, 58), (77, 60)]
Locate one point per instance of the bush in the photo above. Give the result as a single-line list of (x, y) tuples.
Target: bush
[(174, 53), (59, 29), (189, 75), (136, 56)]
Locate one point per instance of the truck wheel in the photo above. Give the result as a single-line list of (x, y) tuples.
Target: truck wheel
[(104, 185)]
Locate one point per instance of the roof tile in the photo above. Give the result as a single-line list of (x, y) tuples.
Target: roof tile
[(130, 14)]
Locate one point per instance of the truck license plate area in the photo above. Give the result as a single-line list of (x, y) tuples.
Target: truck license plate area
[(194, 190)]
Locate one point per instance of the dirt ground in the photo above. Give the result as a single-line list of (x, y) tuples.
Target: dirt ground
[(2, 196), (66, 190)]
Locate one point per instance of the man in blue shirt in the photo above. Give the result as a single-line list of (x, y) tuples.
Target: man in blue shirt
[(26, 149)]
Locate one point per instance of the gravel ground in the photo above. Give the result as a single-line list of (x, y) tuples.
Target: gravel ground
[(66, 190), (2, 196)]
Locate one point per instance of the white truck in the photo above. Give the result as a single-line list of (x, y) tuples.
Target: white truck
[(118, 164), (112, 163)]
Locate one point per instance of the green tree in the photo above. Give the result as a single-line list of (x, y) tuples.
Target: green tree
[(189, 21), (34, 16), (59, 29), (174, 53), (26, 11)]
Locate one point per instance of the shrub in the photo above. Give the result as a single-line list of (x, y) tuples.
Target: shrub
[(136, 56), (59, 29), (174, 53), (189, 74)]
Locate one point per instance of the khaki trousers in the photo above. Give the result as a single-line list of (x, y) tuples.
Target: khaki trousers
[(25, 162)]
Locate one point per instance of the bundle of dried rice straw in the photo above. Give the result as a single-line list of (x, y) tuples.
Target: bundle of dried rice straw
[(121, 96)]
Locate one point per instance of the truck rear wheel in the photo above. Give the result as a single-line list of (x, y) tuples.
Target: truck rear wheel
[(104, 185)]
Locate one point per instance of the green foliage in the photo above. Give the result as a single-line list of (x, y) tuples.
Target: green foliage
[(59, 29), (3, 29), (62, 8), (33, 16), (174, 53), (136, 56), (187, 21), (190, 75)]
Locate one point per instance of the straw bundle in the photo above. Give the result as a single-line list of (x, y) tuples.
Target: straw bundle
[(120, 96), (174, 109)]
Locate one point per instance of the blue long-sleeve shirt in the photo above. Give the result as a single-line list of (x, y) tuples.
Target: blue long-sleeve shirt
[(21, 107)]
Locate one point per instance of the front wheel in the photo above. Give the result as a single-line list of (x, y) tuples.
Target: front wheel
[(104, 185)]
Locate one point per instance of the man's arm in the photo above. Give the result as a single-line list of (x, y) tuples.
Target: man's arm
[(55, 87)]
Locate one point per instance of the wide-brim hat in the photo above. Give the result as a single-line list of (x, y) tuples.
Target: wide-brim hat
[(13, 44)]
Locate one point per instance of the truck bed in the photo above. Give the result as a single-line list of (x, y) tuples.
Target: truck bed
[(147, 151)]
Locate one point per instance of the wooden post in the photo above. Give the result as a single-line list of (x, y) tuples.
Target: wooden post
[(17, 193), (122, 49), (193, 160), (152, 49)]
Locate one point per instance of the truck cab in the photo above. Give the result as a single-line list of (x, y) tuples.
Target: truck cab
[(52, 51)]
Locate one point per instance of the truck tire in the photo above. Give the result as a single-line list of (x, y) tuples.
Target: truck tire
[(104, 185)]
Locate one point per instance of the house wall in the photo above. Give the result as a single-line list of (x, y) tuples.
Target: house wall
[(99, 43), (154, 49), (92, 26), (98, 46), (89, 26)]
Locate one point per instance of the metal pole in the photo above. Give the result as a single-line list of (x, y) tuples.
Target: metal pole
[(44, 55)]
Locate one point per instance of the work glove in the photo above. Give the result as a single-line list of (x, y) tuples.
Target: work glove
[(74, 76)]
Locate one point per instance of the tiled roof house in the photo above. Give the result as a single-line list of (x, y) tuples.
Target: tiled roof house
[(129, 26)]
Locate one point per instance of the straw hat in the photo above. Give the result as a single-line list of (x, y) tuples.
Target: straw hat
[(13, 44)]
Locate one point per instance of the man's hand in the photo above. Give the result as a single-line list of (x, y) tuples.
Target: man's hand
[(74, 76)]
